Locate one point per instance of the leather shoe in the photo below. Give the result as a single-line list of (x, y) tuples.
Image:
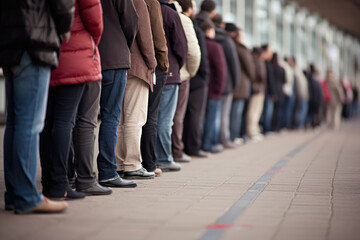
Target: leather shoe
[(68, 194), (142, 173), (48, 206), (95, 189), (118, 183)]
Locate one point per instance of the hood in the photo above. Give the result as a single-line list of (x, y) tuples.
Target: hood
[(220, 35)]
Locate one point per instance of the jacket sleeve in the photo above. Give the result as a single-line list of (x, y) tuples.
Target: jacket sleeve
[(178, 40), (144, 36), (128, 19), (220, 70), (158, 34), (194, 53), (91, 16), (234, 64), (62, 12)]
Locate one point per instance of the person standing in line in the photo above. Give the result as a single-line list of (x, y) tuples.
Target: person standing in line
[(207, 11), (315, 97), (217, 66), (242, 92), (334, 107), (177, 52), (149, 130), (120, 28), (270, 94), (185, 9), (195, 113), (28, 50), (256, 102), (279, 80), (73, 97), (233, 79), (136, 97)]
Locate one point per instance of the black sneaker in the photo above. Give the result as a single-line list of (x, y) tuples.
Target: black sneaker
[(142, 173)]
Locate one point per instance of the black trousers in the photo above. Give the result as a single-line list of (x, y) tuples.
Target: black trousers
[(55, 140), (194, 120), (149, 130), (81, 157)]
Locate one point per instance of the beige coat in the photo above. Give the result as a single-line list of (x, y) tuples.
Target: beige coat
[(193, 58)]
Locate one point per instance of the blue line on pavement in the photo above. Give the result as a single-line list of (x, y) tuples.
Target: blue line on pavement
[(244, 202)]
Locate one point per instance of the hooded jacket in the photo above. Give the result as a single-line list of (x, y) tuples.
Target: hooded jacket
[(79, 59), (232, 60), (33, 26), (176, 41)]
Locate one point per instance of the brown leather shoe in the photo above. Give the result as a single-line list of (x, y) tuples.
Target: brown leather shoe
[(49, 206), (157, 172)]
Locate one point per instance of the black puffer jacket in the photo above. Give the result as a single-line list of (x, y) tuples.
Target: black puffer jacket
[(33, 26), (232, 60)]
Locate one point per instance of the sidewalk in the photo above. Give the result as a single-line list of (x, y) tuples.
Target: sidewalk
[(294, 185)]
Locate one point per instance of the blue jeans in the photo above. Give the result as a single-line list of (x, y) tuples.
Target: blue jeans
[(302, 112), (26, 94), (112, 95), (268, 113), (212, 124), (236, 118), (167, 110), (287, 109)]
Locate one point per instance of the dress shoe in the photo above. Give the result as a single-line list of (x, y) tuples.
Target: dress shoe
[(95, 189), (157, 172), (142, 173), (117, 183), (172, 167), (69, 194), (184, 158), (48, 206)]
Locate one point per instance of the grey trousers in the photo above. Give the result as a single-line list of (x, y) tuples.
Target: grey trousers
[(81, 159), (226, 103)]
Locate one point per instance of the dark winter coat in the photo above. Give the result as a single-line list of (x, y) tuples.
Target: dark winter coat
[(270, 79), (248, 72), (279, 81), (217, 68), (259, 85), (79, 59), (176, 41), (201, 78), (232, 60), (33, 26), (120, 28)]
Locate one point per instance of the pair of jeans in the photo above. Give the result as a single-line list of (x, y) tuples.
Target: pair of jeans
[(287, 109), (302, 113), (56, 138), (226, 102), (268, 113), (167, 108), (81, 159), (149, 130), (212, 124), (236, 118), (26, 95), (112, 95)]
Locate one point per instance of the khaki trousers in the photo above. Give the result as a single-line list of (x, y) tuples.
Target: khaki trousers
[(133, 118), (333, 116), (256, 105)]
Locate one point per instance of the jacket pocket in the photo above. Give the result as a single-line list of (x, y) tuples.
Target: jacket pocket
[(108, 77)]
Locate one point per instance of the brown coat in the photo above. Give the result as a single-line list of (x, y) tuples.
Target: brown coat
[(248, 72), (259, 85), (158, 34), (142, 51)]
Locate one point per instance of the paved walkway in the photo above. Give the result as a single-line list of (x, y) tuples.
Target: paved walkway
[(294, 185)]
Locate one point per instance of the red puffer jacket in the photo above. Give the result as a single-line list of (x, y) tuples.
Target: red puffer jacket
[(79, 58)]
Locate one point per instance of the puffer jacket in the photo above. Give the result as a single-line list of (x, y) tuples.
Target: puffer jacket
[(193, 55), (33, 26), (79, 59)]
